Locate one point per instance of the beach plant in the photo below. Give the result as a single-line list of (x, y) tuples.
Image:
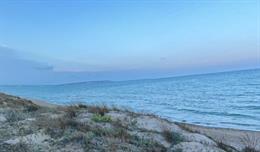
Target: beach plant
[(118, 133), (147, 145), (101, 118), (177, 138), (119, 124), (87, 146), (21, 146), (31, 108), (250, 143), (98, 131), (55, 127), (178, 150), (250, 149), (168, 135), (101, 110), (14, 115), (172, 137), (221, 144), (82, 106), (122, 134), (71, 135), (187, 127), (71, 111)]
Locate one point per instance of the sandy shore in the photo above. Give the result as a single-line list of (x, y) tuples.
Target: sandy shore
[(136, 127), (232, 137)]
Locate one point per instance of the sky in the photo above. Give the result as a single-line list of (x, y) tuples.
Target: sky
[(51, 42)]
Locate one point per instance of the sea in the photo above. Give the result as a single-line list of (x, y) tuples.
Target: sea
[(226, 99)]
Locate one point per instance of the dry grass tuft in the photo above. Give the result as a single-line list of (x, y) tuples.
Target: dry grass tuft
[(101, 110), (21, 147), (71, 111), (31, 108), (83, 106), (14, 116), (119, 124), (250, 143), (56, 127), (168, 135), (147, 145), (172, 137), (122, 134), (186, 127), (223, 146)]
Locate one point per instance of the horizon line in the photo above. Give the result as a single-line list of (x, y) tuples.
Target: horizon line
[(176, 76)]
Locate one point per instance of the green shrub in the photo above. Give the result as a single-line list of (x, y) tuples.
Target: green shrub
[(100, 118)]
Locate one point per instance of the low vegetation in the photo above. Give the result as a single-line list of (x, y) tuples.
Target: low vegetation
[(100, 118), (31, 108), (172, 137), (65, 128), (224, 146), (250, 143), (14, 116), (26, 127), (71, 111), (101, 110)]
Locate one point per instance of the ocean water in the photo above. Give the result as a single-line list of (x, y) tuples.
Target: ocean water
[(229, 99)]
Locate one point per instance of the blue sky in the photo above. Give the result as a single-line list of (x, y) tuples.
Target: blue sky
[(60, 41)]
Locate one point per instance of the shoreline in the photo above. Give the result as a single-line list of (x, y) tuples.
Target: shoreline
[(48, 104), (195, 135)]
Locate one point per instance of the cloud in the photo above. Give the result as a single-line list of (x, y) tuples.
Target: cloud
[(47, 67), (19, 69), (163, 59), (6, 52), (11, 61), (15, 69)]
